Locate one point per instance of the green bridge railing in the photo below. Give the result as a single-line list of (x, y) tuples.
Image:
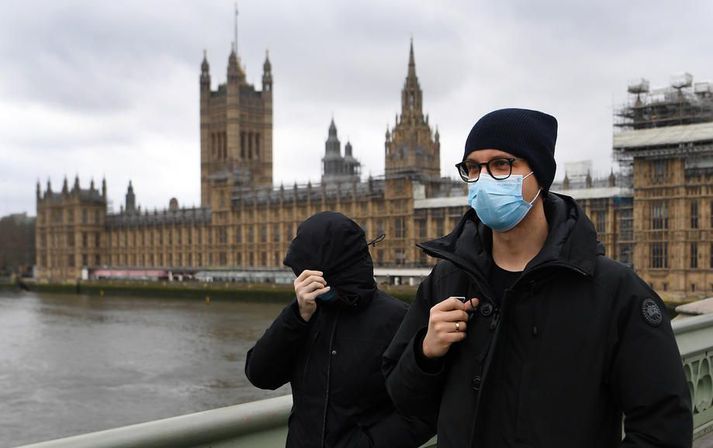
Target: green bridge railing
[(264, 423)]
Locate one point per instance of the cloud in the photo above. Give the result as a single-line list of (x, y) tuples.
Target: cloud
[(111, 88)]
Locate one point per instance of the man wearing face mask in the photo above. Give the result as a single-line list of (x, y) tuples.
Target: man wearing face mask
[(525, 334), (329, 341)]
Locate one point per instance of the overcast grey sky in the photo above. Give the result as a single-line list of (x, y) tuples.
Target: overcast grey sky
[(100, 88)]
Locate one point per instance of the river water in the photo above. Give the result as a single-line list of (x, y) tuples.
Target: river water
[(74, 364)]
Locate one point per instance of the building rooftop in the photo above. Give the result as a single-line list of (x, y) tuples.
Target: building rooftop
[(195, 215), (596, 192), (313, 192), (84, 196), (670, 135), (371, 187)]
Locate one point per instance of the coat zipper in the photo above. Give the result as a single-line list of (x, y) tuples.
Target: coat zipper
[(329, 371), (496, 319), (311, 346), (495, 325), (497, 316)]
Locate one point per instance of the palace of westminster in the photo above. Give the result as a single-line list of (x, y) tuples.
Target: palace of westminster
[(656, 214)]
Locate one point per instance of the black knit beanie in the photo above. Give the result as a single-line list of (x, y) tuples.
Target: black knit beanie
[(523, 133)]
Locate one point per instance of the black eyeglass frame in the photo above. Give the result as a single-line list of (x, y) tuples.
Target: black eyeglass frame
[(463, 168)]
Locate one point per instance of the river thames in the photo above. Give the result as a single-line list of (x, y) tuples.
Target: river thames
[(72, 364)]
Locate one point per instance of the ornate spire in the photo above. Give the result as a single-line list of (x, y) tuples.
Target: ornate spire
[(233, 57), (267, 73), (267, 66), (205, 74), (411, 94), (235, 71), (130, 199), (205, 67), (411, 62), (233, 68), (412, 148), (332, 145), (348, 149)]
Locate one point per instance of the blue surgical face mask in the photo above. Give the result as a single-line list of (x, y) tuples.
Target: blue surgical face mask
[(499, 203), (327, 296)]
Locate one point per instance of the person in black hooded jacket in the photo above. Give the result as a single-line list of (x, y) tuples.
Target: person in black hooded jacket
[(329, 341), (525, 334)]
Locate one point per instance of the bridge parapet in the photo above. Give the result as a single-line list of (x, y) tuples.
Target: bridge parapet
[(694, 336), (264, 423)]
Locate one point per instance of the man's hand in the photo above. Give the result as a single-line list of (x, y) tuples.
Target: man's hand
[(308, 286), (447, 324)]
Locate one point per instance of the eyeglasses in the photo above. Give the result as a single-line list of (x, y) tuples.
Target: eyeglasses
[(499, 169)]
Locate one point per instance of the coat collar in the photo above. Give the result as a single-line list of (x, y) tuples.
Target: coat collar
[(571, 242)]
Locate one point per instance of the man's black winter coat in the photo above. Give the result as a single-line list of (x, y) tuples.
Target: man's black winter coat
[(595, 341), (333, 361)]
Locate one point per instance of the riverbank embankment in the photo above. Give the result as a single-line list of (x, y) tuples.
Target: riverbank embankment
[(252, 292)]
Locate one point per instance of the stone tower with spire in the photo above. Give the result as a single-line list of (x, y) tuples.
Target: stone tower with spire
[(412, 148), (130, 199), (69, 230), (335, 167), (235, 131)]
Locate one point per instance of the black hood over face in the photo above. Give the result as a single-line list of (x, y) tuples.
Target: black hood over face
[(334, 244)]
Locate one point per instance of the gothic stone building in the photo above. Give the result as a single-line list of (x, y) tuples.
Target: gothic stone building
[(656, 214), (244, 221), (665, 149)]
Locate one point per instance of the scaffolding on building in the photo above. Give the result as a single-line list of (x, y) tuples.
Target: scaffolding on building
[(652, 123), (681, 102)]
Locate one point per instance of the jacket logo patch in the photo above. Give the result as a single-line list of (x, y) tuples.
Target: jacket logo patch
[(652, 312)]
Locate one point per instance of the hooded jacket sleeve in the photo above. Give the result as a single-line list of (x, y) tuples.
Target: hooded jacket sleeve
[(647, 373), (270, 362), (413, 382)]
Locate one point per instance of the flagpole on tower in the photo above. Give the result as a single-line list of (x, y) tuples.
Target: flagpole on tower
[(236, 28)]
